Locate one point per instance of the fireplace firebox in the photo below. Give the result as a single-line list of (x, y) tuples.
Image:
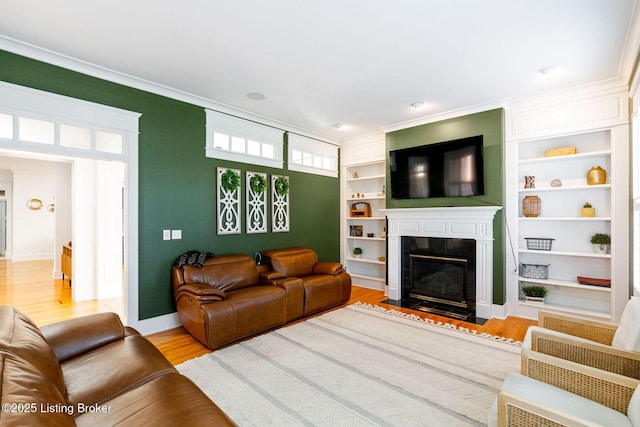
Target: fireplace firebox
[(440, 271)]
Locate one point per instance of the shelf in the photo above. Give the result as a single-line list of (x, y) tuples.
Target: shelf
[(365, 178), (360, 199), (368, 218), (567, 188), (566, 309), (380, 239), (565, 283), (364, 276), (565, 253), (578, 156), (366, 260), (568, 218)]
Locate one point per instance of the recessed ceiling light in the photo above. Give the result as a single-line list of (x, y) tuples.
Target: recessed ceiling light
[(418, 104), (255, 96), (338, 126), (546, 70)]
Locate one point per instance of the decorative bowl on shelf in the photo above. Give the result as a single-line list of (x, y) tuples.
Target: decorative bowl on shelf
[(605, 283)]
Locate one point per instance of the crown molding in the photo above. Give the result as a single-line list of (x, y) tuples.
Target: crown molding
[(452, 114), (83, 67)]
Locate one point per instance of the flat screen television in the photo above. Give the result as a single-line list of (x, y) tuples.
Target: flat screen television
[(445, 169)]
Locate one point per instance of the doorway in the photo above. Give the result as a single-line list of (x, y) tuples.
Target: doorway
[(81, 198), (34, 121)]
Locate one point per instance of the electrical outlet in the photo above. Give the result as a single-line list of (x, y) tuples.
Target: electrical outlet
[(166, 234), (176, 234)]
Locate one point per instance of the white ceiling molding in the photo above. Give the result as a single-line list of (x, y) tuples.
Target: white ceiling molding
[(445, 116), (53, 58)]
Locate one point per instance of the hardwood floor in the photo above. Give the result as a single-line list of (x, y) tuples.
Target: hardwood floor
[(28, 286)]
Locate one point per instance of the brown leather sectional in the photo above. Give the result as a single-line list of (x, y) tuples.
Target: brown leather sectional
[(92, 371), (230, 297)]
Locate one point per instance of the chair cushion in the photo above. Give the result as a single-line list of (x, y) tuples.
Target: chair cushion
[(562, 401), (627, 336)]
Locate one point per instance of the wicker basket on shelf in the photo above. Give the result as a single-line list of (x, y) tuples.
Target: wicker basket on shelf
[(539, 243), (534, 271)]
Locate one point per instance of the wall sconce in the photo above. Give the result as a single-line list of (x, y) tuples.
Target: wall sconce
[(34, 204)]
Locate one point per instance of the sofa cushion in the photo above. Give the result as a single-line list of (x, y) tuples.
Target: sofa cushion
[(22, 337), (32, 397), (169, 400), (227, 272), (627, 336), (245, 312), (320, 293), (298, 263), (101, 374), (72, 337)]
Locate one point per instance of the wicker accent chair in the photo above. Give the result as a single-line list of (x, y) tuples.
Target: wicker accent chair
[(556, 392), (606, 346)]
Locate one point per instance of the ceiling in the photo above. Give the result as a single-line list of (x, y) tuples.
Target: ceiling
[(356, 63)]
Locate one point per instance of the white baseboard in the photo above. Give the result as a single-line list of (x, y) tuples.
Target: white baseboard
[(156, 324), (499, 311), (31, 257)]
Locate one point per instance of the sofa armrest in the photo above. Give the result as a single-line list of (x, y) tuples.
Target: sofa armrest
[(327, 267), (606, 388), (201, 292), (270, 277), (585, 352), (73, 337), (584, 328)]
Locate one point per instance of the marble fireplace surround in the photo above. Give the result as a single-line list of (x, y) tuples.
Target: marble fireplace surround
[(471, 222)]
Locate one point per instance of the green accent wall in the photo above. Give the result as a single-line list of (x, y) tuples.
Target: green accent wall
[(177, 187), (491, 125)]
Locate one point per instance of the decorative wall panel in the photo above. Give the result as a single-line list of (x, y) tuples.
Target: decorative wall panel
[(228, 194)]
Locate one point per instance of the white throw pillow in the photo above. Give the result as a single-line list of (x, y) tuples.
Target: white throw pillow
[(627, 336)]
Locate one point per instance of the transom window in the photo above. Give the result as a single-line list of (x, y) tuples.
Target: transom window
[(21, 129), (240, 140), (312, 156)]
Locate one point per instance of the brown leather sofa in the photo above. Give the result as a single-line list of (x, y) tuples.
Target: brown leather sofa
[(229, 298), (92, 371), (326, 284)]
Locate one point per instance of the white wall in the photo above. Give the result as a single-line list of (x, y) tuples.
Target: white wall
[(32, 234), (62, 201)]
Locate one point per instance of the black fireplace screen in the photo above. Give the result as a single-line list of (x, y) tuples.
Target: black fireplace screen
[(440, 270), (440, 278)]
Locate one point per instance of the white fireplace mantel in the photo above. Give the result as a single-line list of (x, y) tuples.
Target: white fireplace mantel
[(471, 222)]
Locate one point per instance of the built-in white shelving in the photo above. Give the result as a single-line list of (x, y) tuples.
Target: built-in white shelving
[(571, 254), (363, 177)]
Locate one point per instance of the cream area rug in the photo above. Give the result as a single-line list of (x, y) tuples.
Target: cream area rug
[(358, 366)]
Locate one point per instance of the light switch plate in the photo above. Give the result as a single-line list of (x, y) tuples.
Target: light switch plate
[(166, 234), (176, 234)]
